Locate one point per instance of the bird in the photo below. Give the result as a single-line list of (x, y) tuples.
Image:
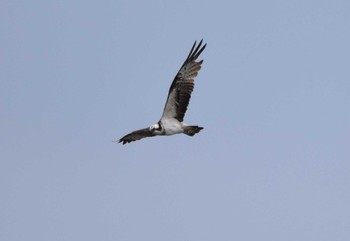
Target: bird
[(171, 121)]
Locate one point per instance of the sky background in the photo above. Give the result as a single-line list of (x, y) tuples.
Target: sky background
[(273, 96)]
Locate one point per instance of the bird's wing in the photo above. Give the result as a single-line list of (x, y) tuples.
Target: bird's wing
[(136, 135), (182, 86)]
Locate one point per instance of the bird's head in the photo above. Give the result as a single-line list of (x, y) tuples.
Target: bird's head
[(154, 127)]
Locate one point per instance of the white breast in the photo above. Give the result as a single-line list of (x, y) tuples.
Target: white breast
[(172, 126)]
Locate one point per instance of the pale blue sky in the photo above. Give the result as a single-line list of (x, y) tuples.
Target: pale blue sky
[(273, 162)]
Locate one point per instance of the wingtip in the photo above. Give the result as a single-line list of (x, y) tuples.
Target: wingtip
[(120, 141), (200, 42), (196, 50), (125, 141)]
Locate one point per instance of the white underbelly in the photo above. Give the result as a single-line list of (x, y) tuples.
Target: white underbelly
[(172, 126)]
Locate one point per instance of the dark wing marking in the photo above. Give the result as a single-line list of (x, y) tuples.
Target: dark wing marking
[(136, 135), (182, 86)]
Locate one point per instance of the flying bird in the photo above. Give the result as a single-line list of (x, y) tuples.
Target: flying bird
[(178, 99)]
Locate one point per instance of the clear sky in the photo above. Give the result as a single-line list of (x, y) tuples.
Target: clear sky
[(273, 96)]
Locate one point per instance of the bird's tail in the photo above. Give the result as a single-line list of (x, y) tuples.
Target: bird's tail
[(192, 130)]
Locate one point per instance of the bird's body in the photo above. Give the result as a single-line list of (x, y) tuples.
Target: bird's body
[(171, 126), (178, 99)]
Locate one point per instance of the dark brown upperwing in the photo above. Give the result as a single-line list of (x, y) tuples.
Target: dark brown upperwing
[(182, 86), (136, 135)]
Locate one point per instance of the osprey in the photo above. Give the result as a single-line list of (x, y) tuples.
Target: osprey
[(175, 108)]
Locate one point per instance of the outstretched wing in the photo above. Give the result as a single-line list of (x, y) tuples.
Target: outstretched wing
[(136, 135), (182, 86)]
